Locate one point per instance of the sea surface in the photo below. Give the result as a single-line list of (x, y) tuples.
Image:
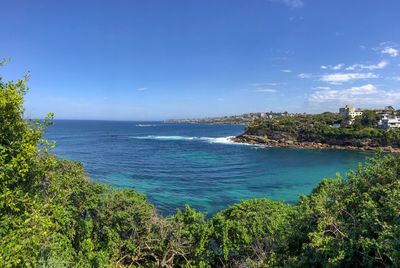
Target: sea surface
[(195, 164)]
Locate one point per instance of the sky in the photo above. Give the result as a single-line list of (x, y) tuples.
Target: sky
[(162, 59)]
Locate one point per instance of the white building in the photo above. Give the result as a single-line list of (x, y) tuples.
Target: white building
[(349, 112), (389, 122)]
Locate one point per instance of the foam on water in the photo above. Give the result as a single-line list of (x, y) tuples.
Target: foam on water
[(146, 125), (222, 140), (168, 138)]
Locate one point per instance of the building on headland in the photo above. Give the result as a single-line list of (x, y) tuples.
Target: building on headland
[(350, 113), (388, 117), (389, 122), (388, 111)]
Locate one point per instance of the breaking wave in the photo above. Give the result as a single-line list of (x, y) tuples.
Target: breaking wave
[(223, 140), (145, 125)]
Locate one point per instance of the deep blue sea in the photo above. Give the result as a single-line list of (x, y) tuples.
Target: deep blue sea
[(178, 164)]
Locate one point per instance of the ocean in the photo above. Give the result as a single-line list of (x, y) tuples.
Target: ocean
[(194, 164)]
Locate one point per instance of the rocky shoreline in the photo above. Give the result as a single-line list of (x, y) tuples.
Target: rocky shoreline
[(264, 141)]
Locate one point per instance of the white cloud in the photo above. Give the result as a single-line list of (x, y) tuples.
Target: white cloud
[(268, 84), (365, 95), (338, 67), (290, 3), (388, 48), (333, 67), (266, 87), (286, 71), (304, 76), (268, 90), (391, 51), (323, 88), (336, 78), (142, 89), (382, 64), (280, 58), (366, 89)]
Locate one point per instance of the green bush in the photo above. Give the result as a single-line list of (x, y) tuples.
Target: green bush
[(355, 222), (253, 231)]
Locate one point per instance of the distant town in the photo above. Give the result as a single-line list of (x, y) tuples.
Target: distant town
[(389, 117), (234, 119)]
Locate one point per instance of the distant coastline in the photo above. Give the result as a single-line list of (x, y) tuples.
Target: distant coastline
[(202, 122), (242, 119)]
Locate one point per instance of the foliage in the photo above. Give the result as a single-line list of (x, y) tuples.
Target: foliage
[(355, 222), (52, 215), (369, 119), (253, 231), (294, 124)]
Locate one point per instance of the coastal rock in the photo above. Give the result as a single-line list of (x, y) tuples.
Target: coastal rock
[(292, 143)]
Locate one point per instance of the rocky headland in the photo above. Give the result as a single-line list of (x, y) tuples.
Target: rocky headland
[(319, 131), (290, 143)]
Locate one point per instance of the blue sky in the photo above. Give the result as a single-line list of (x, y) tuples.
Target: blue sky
[(151, 60)]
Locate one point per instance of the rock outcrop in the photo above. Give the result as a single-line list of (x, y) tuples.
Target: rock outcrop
[(288, 141)]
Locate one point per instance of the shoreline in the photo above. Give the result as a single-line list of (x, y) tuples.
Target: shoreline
[(206, 123), (263, 141)]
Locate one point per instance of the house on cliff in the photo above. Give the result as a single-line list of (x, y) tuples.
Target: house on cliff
[(349, 113)]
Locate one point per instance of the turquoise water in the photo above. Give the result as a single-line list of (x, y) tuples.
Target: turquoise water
[(178, 164)]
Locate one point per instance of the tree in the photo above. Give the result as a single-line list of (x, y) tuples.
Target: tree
[(24, 223), (369, 119), (357, 122), (252, 232), (354, 222)]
